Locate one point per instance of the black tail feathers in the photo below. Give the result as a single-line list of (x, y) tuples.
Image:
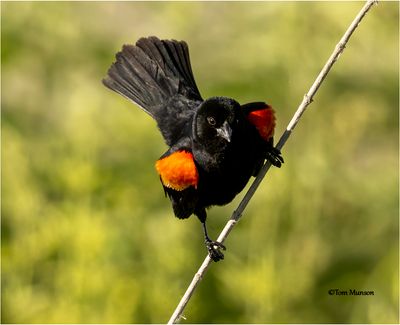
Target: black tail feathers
[(151, 72)]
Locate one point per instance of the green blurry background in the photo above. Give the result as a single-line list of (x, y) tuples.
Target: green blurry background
[(87, 235)]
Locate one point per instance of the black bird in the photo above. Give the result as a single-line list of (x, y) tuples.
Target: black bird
[(215, 145)]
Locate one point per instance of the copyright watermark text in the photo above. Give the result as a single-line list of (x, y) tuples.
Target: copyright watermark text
[(350, 292)]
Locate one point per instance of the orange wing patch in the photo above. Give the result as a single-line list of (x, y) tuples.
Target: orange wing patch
[(264, 121), (178, 171)]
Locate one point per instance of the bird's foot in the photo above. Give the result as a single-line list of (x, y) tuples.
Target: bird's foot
[(214, 250), (274, 157)]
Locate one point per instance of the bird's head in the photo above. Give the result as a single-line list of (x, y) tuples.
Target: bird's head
[(214, 120)]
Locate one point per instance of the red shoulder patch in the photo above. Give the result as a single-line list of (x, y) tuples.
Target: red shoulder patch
[(264, 121), (178, 170)]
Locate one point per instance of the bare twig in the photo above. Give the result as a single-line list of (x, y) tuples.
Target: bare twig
[(308, 98)]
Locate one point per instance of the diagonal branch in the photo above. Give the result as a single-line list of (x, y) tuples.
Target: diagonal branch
[(308, 98)]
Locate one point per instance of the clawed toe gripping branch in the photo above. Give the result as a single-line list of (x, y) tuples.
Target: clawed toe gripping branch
[(307, 100)]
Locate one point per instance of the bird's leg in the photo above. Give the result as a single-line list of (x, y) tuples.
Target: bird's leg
[(213, 247), (274, 155)]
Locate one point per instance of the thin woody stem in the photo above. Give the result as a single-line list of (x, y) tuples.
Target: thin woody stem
[(307, 100)]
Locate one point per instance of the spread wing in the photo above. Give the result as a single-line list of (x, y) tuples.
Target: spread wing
[(157, 75)]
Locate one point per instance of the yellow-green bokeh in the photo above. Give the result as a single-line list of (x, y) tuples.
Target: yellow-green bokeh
[(87, 235)]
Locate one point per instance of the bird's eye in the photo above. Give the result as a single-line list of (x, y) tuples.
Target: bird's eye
[(211, 120)]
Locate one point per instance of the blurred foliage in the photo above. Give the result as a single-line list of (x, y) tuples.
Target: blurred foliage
[(87, 235)]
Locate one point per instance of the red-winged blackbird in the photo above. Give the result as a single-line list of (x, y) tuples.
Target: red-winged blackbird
[(215, 145)]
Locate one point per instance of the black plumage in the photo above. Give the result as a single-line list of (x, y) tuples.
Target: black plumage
[(215, 146)]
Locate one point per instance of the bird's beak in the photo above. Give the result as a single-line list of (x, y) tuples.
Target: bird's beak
[(225, 131)]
